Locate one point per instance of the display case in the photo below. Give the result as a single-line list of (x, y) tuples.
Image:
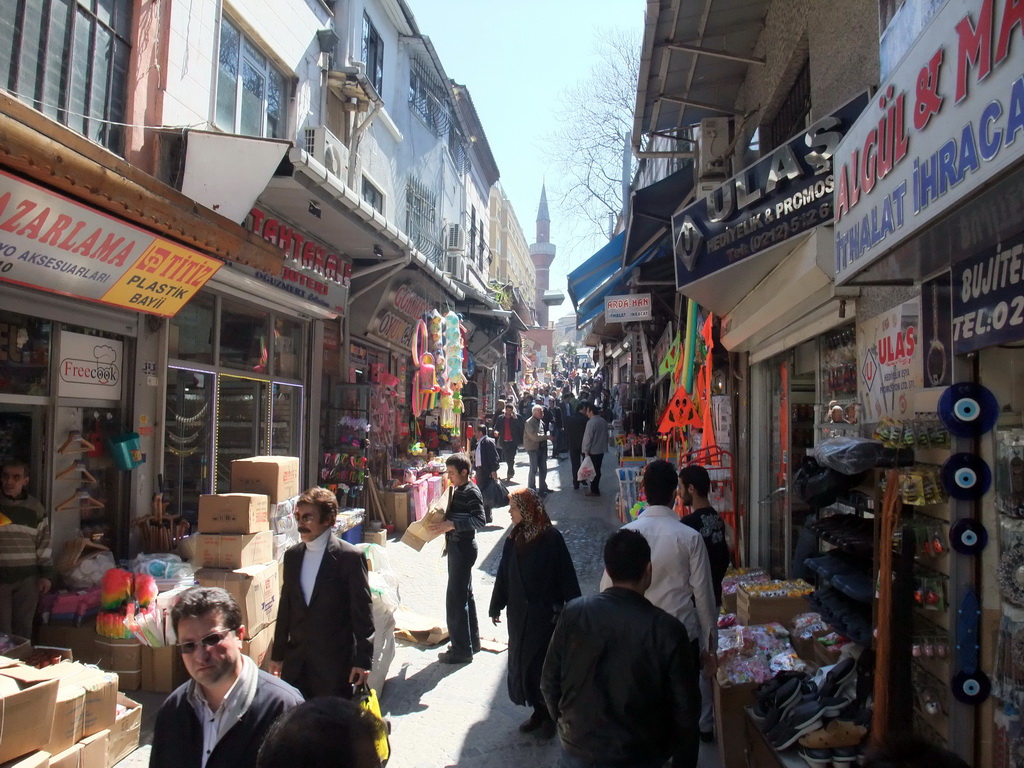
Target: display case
[(345, 429)]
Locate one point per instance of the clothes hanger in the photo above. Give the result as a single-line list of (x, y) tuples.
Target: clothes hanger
[(80, 499), (76, 444), (78, 465)]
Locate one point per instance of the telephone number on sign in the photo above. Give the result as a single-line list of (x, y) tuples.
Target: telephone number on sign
[(978, 322)]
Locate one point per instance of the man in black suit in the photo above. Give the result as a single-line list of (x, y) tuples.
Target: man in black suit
[(323, 644), (488, 462)]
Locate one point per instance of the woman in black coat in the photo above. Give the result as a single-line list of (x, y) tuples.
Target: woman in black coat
[(535, 579)]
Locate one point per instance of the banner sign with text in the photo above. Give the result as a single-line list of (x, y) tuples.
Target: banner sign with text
[(946, 123), (785, 193), (988, 298), (90, 367), (627, 308), (50, 242), (889, 360)]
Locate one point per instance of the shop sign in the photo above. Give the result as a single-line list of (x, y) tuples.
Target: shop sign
[(312, 271), (889, 360), (948, 121), (90, 367), (627, 308), (785, 193), (50, 242), (399, 309), (357, 354), (988, 298)]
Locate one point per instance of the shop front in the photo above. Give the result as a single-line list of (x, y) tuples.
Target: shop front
[(929, 213), (82, 293)]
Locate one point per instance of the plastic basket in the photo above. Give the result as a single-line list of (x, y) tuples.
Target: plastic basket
[(125, 450)]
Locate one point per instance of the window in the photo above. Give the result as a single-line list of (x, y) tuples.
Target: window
[(373, 54), (421, 219), (886, 10), (428, 98), (69, 60), (373, 196), (793, 115), (250, 89)]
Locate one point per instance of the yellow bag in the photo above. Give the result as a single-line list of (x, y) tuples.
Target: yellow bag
[(367, 700)]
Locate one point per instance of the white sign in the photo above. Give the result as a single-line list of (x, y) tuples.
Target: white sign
[(889, 360), (90, 367), (946, 123), (625, 309)]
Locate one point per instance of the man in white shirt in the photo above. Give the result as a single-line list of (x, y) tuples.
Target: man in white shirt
[(221, 716), (681, 584)]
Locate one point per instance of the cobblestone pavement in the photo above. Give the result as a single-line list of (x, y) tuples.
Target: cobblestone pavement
[(445, 715)]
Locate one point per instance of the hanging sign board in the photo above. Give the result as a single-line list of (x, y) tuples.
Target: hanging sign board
[(50, 242), (787, 192), (988, 298), (889, 356), (628, 308), (946, 123), (90, 367)]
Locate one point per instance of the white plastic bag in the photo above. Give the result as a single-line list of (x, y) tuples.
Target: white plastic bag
[(587, 471)]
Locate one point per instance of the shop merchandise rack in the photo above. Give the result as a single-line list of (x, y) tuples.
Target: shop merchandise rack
[(721, 469)]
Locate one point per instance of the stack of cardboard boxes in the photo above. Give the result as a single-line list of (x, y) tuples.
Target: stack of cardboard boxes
[(235, 547), (64, 716)]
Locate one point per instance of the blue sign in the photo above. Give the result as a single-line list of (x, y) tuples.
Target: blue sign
[(988, 298), (788, 191)]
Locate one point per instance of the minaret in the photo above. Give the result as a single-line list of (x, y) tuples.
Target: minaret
[(542, 253)]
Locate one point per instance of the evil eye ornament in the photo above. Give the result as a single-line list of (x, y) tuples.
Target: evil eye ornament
[(968, 409)]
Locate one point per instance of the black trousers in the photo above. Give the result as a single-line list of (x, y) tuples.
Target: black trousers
[(597, 458), (689, 750), (460, 607), (575, 457), (508, 452)]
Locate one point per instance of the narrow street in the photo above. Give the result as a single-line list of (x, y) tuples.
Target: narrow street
[(461, 715)]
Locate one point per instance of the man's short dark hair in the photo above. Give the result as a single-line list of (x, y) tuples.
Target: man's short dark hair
[(586, 405), (17, 464), (460, 461), (626, 555), (698, 477), (324, 500), (660, 482), (199, 601), (325, 732)]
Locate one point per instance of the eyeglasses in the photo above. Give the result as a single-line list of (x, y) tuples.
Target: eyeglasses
[(212, 639), (305, 518)]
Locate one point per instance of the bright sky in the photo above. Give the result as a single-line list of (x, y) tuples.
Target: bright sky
[(517, 57)]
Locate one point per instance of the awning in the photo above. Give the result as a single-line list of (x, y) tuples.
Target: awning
[(599, 269), (617, 280), (650, 212)]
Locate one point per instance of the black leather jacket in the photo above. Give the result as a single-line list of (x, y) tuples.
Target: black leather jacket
[(620, 678)]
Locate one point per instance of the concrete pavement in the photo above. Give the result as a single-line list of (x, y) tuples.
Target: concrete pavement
[(445, 715)]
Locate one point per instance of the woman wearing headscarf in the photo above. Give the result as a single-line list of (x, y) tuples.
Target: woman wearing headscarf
[(535, 579)]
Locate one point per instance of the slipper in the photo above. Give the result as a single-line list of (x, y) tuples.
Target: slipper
[(838, 733)]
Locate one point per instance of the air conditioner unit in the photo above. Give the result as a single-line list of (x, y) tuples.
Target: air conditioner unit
[(457, 267), (712, 146), (454, 238), (326, 148)]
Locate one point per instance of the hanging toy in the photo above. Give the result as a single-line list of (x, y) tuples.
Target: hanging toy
[(115, 589), (457, 410), (420, 338), (435, 323), (447, 409), (453, 350)]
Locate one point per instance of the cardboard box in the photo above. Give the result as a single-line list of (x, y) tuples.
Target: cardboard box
[(257, 647), (730, 701), (233, 550), (755, 609), (417, 534), (124, 735), (81, 641), (20, 649), (275, 476), (69, 758), (28, 698), (35, 760), (256, 588), (233, 513), (162, 669), (123, 657), (100, 693), (396, 509), (375, 537), (68, 717), (94, 750)]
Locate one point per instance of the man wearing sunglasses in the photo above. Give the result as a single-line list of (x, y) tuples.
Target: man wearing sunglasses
[(323, 643), (221, 716)]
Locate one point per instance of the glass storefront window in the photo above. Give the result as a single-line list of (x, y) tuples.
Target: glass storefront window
[(286, 424), (24, 355), (243, 337), (288, 348), (191, 331), (189, 421), (242, 416)]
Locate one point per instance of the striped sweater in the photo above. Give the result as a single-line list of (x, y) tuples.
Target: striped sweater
[(24, 539)]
